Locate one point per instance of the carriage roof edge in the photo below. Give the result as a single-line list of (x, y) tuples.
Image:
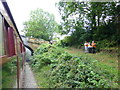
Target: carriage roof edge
[(5, 11)]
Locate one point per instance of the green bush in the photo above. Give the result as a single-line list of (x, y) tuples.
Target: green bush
[(68, 71), (9, 74), (105, 44)]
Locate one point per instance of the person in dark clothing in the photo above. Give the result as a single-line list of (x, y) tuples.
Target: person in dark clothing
[(93, 47)]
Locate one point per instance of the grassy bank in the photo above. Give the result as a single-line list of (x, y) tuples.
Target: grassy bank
[(55, 68), (42, 78), (105, 58), (9, 74), (106, 61)]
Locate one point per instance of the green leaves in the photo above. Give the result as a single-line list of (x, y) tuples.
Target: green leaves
[(40, 25), (69, 71), (87, 21)]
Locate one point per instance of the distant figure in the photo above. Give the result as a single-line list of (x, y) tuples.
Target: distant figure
[(89, 48), (86, 46), (93, 47), (50, 42)]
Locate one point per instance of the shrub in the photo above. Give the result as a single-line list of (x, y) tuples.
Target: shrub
[(68, 71)]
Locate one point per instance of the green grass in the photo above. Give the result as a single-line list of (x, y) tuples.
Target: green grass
[(42, 80), (106, 62), (9, 80), (106, 66), (9, 74), (105, 58)]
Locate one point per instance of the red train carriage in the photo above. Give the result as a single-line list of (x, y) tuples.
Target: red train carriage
[(12, 50)]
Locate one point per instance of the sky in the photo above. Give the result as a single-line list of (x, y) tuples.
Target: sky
[(21, 9)]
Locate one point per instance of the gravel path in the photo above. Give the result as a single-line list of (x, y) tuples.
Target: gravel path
[(27, 78)]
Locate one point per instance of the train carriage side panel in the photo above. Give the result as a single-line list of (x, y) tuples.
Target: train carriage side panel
[(11, 58), (11, 42)]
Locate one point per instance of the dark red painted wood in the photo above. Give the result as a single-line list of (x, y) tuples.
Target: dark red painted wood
[(21, 46), (11, 42), (23, 49)]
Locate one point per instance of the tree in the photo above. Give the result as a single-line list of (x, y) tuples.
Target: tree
[(90, 20), (40, 25)]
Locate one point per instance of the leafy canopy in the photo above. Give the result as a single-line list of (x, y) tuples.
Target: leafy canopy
[(40, 25), (89, 21)]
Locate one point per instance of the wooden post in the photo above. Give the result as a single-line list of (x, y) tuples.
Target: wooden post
[(17, 56), (18, 74)]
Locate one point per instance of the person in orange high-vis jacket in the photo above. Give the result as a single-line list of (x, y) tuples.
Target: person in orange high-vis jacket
[(93, 47)]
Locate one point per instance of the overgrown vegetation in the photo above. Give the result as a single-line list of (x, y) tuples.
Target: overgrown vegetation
[(83, 21), (59, 69), (87, 21), (9, 74)]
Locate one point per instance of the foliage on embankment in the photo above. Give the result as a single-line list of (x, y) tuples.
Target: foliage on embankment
[(9, 74), (69, 71)]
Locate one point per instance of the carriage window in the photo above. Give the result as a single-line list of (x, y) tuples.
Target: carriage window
[(1, 37)]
